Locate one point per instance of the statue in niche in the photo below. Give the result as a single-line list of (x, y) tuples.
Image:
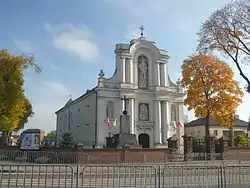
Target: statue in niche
[(110, 110), (173, 113), (143, 112), (142, 72)]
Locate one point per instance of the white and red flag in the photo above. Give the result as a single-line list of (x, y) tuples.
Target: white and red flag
[(179, 124), (108, 122)]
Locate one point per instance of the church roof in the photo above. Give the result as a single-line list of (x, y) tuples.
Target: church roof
[(202, 121), (71, 101), (248, 127)]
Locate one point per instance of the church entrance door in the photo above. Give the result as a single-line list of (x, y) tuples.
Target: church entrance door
[(144, 140)]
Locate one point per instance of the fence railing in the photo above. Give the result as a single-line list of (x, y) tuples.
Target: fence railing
[(52, 157), (136, 176)]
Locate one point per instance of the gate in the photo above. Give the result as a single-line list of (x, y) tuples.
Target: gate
[(191, 176), (236, 175), (27, 176), (135, 176), (220, 175)]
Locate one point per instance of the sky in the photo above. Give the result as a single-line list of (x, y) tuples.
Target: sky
[(73, 41)]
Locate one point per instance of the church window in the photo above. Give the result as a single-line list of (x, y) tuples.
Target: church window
[(173, 113), (142, 71), (143, 112), (110, 110)]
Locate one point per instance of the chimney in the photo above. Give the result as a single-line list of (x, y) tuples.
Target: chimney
[(237, 116)]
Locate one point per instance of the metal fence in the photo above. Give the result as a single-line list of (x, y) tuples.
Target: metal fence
[(147, 176), (52, 157)]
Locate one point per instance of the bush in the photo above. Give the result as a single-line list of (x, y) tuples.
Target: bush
[(241, 140)]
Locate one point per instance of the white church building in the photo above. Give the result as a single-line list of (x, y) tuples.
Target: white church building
[(153, 101)]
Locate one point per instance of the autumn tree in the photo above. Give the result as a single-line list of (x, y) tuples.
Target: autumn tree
[(227, 31), (211, 90), (15, 108)]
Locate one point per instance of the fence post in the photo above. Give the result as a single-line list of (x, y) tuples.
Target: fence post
[(77, 176), (159, 178)]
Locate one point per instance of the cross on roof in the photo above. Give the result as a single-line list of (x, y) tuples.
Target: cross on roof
[(141, 29)]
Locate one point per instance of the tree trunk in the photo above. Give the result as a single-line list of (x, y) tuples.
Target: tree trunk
[(232, 136), (207, 135), (4, 139)]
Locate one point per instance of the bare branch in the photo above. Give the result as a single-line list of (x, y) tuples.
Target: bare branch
[(227, 31)]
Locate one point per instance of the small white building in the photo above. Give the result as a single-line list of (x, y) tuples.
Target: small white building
[(152, 99)]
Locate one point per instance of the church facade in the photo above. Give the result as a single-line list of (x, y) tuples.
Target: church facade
[(140, 83)]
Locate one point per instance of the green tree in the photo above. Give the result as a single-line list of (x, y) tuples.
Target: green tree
[(51, 134), (66, 140), (241, 140), (28, 112), (15, 108)]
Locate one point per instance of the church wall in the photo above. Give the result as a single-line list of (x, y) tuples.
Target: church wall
[(148, 99), (105, 97), (82, 120), (62, 124)]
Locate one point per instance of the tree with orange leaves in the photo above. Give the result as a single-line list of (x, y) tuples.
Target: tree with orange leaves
[(211, 90)]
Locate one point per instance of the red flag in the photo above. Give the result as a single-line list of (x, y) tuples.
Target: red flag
[(108, 122), (180, 124)]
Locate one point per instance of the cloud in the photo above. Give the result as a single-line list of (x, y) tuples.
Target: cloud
[(47, 98), (76, 40), (24, 46), (56, 87)]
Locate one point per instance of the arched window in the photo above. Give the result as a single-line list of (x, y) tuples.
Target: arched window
[(110, 110), (173, 113), (142, 71)]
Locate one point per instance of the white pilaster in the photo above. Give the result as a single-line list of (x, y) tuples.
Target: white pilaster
[(180, 130), (131, 71), (165, 123), (163, 71), (157, 74), (165, 75), (123, 70), (101, 132), (135, 76), (131, 112), (180, 116), (157, 119), (127, 71)]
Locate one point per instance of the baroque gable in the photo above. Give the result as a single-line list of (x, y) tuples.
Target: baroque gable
[(140, 65)]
